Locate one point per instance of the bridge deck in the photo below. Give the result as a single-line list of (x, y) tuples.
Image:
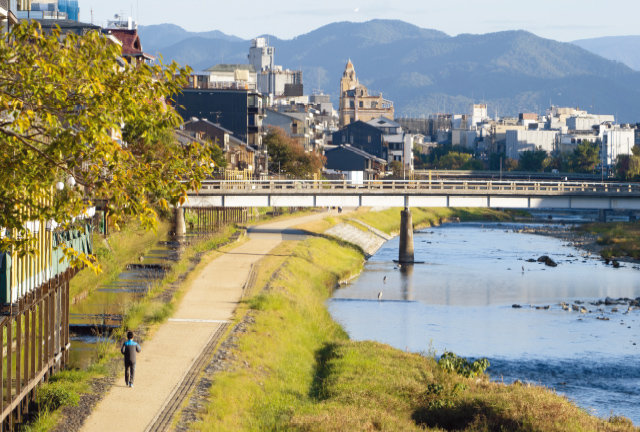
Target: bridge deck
[(417, 193)]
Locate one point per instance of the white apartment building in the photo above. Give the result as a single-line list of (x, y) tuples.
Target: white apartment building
[(518, 141)]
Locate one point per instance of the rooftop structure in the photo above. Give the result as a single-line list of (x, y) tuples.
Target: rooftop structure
[(357, 104)]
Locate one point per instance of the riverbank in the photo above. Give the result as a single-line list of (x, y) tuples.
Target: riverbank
[(618, 241), (70, 395), (294, 368)]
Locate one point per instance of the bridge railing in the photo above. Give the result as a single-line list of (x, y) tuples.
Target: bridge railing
[(400, 186)]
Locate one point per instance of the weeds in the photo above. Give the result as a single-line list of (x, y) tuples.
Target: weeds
[(451, 363)]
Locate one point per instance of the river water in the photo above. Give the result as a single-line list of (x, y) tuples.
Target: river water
[(461, 300)]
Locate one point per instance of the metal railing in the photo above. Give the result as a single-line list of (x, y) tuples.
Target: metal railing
[(428, 187)]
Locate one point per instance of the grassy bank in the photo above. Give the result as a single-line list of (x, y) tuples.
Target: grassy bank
[(114, 253), (389, 220), (621, 239), (296, 369)]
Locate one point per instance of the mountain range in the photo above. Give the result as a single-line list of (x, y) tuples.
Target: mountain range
[(625, 49), (425, 71)]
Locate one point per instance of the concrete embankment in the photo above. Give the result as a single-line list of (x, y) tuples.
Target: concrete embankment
[(367, 238)]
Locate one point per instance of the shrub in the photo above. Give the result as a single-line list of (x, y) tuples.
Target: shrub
[(452, 363), (54, 395)]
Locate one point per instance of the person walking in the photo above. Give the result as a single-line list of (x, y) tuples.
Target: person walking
[(129, 350)]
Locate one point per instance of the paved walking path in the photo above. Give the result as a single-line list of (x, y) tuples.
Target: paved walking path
[(210, 300)]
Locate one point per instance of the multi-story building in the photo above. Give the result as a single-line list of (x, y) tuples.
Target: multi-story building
[(49, 10), (296, 124), (616, 141), (356, 104), (223, 76), (238, 110), (272, 79), (7, 14), (518, 141)]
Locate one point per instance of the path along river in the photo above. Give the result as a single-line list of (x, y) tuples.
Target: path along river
[(461, 300)]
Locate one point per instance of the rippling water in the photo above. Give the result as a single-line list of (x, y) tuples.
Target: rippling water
[(461, 300)]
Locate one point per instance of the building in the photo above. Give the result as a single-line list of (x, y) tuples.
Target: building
[(296, 124), (272, 79), (478, 114), (353, 163), (7, 15), (238, 154), (356, 104), (50, 10), (69, 26), (399, 144), (363, 136), (238, 110), (588, 121), (225, 76), (518, 141), (131, 46), (616, 141)]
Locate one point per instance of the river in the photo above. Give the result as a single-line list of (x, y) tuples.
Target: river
[(461, 300)]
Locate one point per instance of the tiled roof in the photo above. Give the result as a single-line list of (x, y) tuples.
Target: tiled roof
[(131, 46), (357, 151)]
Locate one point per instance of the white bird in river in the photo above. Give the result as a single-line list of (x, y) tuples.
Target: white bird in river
[(384, 279), (522, 269), (380, 296)]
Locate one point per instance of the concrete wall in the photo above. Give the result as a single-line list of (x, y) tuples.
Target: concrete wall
[(519, 141)]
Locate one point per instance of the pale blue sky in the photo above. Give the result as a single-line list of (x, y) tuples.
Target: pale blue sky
[(563, 20)]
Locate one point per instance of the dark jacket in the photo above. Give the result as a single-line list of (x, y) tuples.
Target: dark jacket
[(129, 350)]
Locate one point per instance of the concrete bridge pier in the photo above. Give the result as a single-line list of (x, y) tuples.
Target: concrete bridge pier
[(602, 215), (181, 226), (405, 255)]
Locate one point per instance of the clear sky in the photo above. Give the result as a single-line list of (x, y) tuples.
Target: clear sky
[(563, 20)]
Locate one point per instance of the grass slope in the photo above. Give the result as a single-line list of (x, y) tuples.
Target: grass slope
[(620, 239)]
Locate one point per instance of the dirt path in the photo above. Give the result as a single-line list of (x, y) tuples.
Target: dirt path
[(209, 301)]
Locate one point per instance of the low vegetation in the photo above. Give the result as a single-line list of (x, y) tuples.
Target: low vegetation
[(114, 253), (389, 220), (296, 369), (621, 239)]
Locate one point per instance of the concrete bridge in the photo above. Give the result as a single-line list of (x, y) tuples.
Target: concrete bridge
[(418, 193), (414, 193)]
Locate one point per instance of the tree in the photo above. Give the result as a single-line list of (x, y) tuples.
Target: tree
[(628, 167), (585, 157), (532, 160), (454, 160), (63, 104), (218, 156), (397, 170), (288, 156)]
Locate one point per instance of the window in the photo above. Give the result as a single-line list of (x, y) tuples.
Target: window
[(361, 104), (352, 104)]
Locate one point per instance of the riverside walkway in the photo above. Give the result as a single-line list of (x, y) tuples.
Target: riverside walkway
[(208, 304)]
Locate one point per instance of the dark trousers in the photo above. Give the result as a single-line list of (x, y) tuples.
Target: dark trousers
[(129, 371)]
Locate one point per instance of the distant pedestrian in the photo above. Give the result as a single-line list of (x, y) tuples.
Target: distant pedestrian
[(129, 350)]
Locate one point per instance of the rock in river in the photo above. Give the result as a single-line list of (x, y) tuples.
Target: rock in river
[(547, 261)]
